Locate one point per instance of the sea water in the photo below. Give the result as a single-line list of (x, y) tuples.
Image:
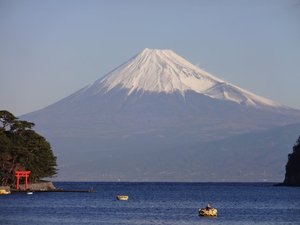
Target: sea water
[(154, 203)]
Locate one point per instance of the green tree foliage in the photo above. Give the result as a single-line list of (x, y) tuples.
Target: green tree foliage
[(21, 148), (292, 174)]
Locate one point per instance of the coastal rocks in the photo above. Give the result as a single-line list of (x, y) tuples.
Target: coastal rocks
[(40, 186), (292, 174), (5, 187), (292, 180)]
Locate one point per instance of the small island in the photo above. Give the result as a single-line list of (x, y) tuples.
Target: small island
[(22, 149), (292, 174)]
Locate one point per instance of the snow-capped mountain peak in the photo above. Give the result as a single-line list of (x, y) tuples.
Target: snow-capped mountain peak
[(156, 70), (162, 70)]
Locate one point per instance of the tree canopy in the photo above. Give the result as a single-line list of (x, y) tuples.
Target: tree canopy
[(21, 148), (292, 174)]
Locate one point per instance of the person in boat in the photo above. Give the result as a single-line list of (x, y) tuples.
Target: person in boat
[(208, 207)]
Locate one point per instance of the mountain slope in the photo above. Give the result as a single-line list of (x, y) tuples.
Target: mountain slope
[(145, 109), (257, 156), (160, 71)]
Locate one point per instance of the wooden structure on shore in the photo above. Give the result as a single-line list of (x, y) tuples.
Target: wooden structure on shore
[(19, 174)]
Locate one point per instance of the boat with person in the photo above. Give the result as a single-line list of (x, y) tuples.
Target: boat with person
[(208, 211)]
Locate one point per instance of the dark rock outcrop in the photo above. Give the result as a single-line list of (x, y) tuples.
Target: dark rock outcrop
[(292, 175)]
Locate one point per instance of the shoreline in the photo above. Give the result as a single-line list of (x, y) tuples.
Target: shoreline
[(45, 186), (54, 190)]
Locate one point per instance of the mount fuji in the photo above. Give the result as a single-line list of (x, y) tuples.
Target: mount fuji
[(158, 117)]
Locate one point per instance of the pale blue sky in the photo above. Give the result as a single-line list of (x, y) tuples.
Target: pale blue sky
[(51, 48)]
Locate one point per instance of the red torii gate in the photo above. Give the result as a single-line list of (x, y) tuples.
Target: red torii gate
[(20, 174)]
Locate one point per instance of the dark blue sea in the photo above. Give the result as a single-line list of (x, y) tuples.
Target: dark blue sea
[(154, 203)]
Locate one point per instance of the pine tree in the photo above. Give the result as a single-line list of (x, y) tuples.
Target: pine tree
[(21, 148)]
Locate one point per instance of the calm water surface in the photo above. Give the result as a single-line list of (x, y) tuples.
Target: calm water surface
[(154, 203)]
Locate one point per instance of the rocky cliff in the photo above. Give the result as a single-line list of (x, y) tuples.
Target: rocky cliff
[(292, 175)]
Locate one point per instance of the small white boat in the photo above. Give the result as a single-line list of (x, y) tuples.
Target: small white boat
[(122, 197), (29, 192), (208, 211)]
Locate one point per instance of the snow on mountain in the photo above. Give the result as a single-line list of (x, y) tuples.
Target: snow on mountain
[(155, 70)]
